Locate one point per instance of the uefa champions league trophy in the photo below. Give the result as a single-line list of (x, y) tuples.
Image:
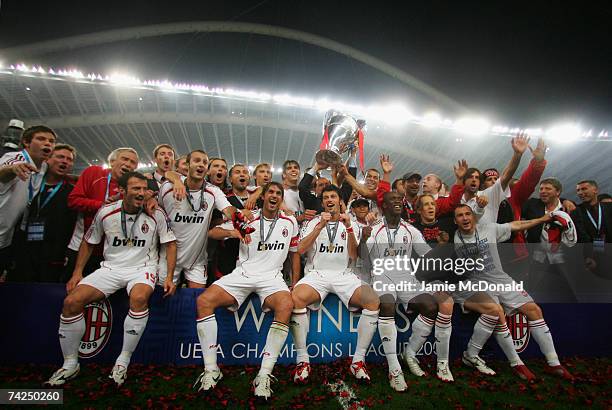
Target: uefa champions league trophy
[(341, 133)]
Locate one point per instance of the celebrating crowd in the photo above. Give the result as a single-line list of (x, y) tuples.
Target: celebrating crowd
[(199, 222)]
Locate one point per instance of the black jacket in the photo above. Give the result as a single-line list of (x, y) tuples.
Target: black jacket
[(311, 201)]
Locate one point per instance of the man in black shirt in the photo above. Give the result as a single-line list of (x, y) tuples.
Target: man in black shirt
[(48, 223), (435, 230)]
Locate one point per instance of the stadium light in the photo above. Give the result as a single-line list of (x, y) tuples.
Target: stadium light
[(564, 133), (431, 120), (472, 126)]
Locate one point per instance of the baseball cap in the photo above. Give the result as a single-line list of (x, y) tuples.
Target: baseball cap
[(411, 175), (360, 202)]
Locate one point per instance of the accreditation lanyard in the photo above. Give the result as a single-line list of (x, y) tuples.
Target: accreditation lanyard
[(331, 235), (261, 228), (388, 230), (477, 244), (598, 224), (124, 226), (202, 199), (48, 197)]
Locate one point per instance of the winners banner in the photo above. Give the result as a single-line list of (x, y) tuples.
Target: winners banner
[(30, 321)]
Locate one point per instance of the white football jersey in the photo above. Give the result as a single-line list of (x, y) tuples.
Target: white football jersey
[(268, 255), (496, 195), (190, 225), (146, 233), (324, 256), (387, 242)]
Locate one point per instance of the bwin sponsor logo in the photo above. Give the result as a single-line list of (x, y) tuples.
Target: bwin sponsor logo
[(124, 242), (276, 246), (188, 219), (331, 249), (394, 252)]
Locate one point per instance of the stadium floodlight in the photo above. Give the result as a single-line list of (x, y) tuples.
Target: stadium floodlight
[(392, 114), (564, 132), (124, 79), (431, 120), (472, 126)]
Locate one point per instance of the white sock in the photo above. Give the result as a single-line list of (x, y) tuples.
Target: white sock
[(421, 329), (207, 334), (505, 341), (366, 327), (299, 325), (133, 328), (541, 333), (71, 330), (444, 328), (482, 332), (274, 343), (388, 336)]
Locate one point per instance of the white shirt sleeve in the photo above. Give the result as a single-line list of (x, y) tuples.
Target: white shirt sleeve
[(503, 232), (295, 235), (496, 194), (95, 233), (221, 201), (419, 244), (163, 227)]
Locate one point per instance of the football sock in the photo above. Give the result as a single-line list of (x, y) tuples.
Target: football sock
[(388, 336), (274, 343), (133, 328), (366, 327), (444, 328), (421, 329), (71, 330), (505, 341), (299, 330), (541, 333), (482, 331), (207, 334)]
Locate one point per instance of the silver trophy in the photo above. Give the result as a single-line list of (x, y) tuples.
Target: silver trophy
[(341, 133)]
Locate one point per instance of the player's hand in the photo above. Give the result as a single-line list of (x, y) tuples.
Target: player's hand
[(520, 143), (73, 282), (386, 164), (443, 237), (286, 210), (371, 218), (569, 206), (246, 239), (113, 198), (366, 231), (590, 264), (23, 170), (325, 218), (539, 151), (150, 206), (547, 217), (169, 287), (179, 191), (345, 219), (247, 214), (251, 203), (482, 201), (460, 169)]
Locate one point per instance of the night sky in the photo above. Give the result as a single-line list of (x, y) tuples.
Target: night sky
[(520, 64)]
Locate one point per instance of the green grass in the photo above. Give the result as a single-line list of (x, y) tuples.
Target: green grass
[(170, 386)]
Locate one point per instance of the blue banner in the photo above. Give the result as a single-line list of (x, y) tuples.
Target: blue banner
[(30, 322)]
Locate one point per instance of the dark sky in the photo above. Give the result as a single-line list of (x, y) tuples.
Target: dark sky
[(520, 63)]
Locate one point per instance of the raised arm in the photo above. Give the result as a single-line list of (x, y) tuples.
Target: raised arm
[(524, 225), (519, 146)]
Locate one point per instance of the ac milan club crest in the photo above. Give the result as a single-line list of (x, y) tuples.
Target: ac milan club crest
[(144, 228), (343, 236), (285, 232), (519, 329), (405, 240), (98, 325), (204, 206)]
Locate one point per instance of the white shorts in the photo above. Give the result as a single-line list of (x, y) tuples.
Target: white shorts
[(397, 286), (241, 286), (342, 285), (509, 300), (196, 273), (108, 281)]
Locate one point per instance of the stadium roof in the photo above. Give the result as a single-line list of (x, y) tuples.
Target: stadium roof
[(97, 114)]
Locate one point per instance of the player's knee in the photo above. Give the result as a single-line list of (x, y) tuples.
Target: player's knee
[(491, 309), (446, 308), (372, 304), (204, 303), (387, 309), (532, 311), (139, 301), (73, 304), (284, 305), (429, 309), (298, 300)]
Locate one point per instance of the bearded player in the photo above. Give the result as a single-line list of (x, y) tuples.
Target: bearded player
[(272, 236), (329, 243), (131, 238)]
